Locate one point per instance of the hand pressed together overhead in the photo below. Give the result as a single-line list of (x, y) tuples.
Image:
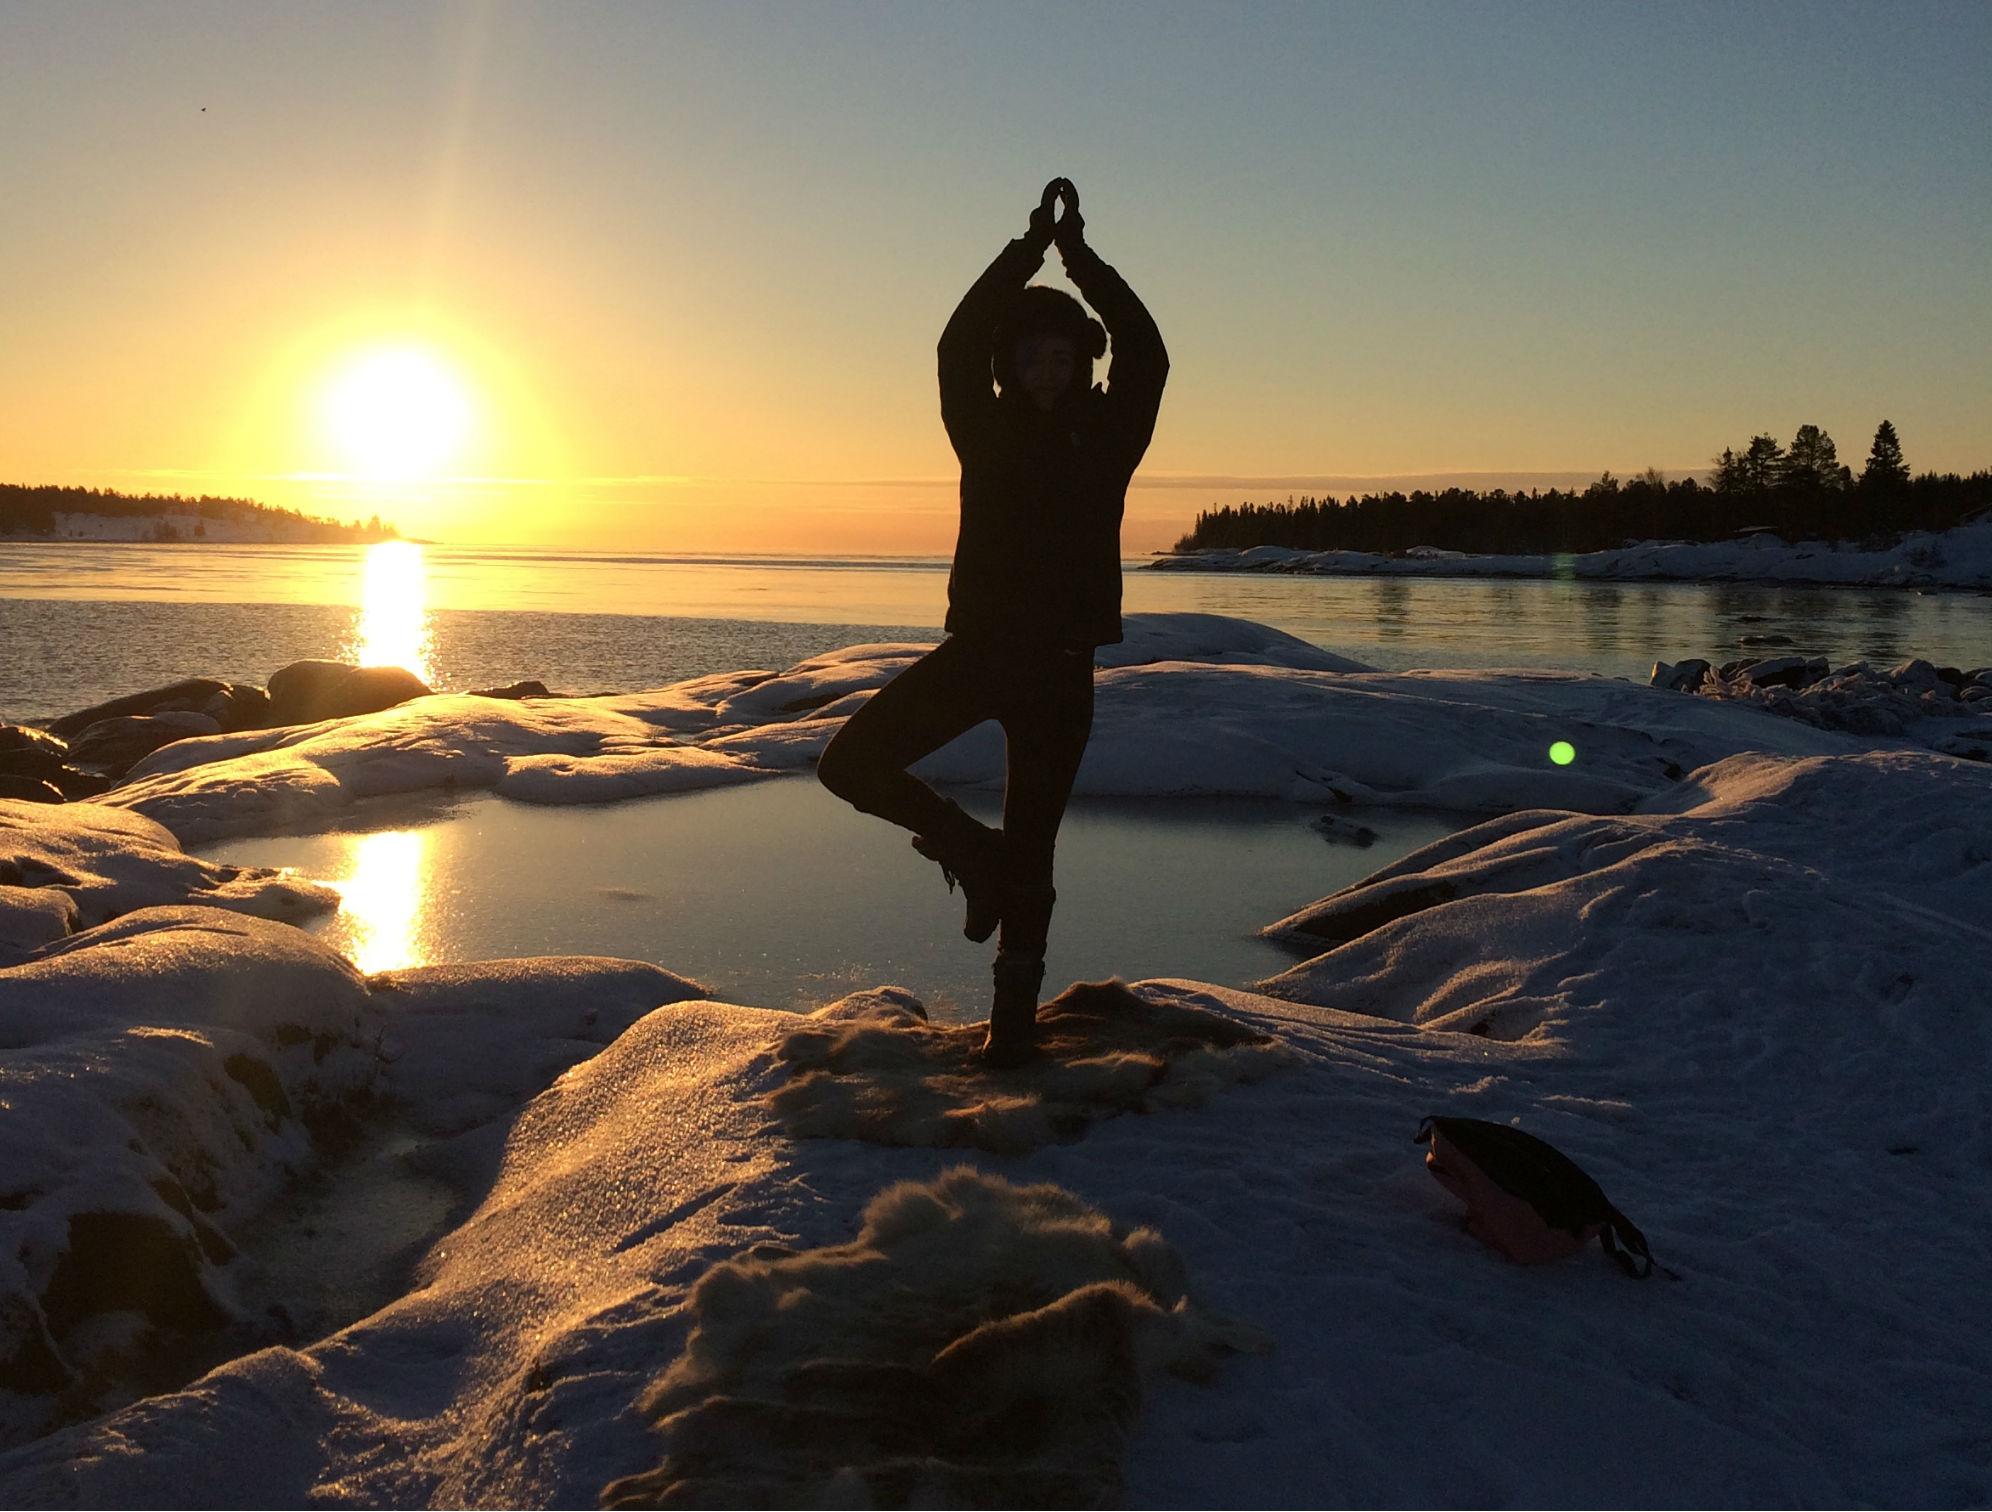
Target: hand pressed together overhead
[(1048, 227)]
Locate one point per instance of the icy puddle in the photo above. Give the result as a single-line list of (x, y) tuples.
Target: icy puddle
[(778, 894)]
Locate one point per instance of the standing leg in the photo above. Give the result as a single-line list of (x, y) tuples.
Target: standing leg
[(1047, 720)]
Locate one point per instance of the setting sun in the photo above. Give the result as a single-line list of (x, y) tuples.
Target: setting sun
[(397, 413)]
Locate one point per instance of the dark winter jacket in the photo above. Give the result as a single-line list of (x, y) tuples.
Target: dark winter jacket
[(1038, 556)]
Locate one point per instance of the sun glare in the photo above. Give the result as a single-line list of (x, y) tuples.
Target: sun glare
[(397, 414), (391, 628)]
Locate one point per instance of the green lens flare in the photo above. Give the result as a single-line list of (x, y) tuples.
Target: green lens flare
[(1563, 753)]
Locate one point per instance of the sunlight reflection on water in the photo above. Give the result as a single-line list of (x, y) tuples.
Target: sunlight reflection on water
[(392, 626), (383, 901)]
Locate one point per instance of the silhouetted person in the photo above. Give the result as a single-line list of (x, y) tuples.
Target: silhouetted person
[(1036, 585)]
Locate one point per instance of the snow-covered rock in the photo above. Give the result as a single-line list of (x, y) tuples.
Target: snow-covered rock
[(565, 750), (161, 1074), (77, 864)]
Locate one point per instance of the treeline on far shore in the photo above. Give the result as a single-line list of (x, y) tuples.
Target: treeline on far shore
[(31, 509), (1800, 492)]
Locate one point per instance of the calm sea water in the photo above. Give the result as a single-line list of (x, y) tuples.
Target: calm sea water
[(83, 622)]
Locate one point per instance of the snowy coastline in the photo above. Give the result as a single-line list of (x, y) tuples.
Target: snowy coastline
[(1730, 962), (1960, 558), (72, 527)]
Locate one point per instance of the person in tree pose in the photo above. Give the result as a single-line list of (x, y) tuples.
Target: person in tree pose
[(1035, 587)]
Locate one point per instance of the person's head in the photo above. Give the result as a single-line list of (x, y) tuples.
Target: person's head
[(1045, 346)]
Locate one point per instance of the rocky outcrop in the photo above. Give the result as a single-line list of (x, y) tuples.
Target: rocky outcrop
[(83, 754), (26, 752), (229, 705), (1855, 698), (36, 765), (307, 691), (113, 746), (531, 688)]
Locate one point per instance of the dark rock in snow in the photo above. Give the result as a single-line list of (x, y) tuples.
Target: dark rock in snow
[(1343, 831), (241, 706), (1963, 743), (28, 789), (1915, 673), (308, 691), (137, 1262), (191, 695), (26, 738), (29, 753), (37, 757), (116, 744), (76, 783), (528, 689), (1782, 672)]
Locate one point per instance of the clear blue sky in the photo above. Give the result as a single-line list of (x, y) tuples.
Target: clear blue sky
[(715, 243)]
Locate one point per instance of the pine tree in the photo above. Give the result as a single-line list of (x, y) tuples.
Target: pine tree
[(1813, 461), (1885, 468), (1727, 474), (1762, 464)]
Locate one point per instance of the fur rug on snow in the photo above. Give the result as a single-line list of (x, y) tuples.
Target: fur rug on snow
[(870, 1066), (978, 1344)]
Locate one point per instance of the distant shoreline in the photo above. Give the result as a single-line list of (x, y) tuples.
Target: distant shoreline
[(206, 542), (1958, 560)]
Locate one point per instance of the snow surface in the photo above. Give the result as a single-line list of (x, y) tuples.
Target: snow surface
[(1750, 999), (1957, 558)]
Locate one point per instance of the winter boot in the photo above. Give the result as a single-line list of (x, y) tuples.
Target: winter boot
[(971, 853), (1012, 1036)]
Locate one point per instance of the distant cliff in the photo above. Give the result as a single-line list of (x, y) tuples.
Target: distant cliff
[(50, 513)]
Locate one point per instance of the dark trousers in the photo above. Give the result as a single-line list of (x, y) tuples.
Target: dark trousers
[(1043, 698)]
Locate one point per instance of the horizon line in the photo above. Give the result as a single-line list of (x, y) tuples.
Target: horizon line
[(1226, 481)]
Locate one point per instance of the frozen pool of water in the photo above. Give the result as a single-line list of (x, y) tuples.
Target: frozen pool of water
[(776, 893)]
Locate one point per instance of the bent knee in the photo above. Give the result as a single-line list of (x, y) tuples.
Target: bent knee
[(841, 769)]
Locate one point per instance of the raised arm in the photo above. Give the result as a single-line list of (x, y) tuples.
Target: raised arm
[(968, 404), (1141, 362)]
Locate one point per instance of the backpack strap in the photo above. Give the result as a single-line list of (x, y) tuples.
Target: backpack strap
[(1635, 1259)]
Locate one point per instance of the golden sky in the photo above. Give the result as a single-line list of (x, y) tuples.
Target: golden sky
[(671, 277)]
